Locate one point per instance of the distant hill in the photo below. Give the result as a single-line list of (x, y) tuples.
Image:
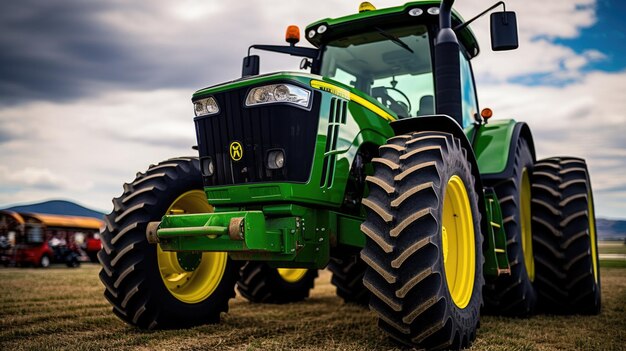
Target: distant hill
[(58, 207), (609, 229)]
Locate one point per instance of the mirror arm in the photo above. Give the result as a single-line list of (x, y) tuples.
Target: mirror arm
[(291, 50), (467, 23)]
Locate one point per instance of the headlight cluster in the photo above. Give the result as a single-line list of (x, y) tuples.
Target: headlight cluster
[(279, 93), (275, 159), (205, 107), (206, 166)]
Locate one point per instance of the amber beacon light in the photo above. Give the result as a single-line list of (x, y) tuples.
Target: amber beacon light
[(366, 6), (486, 113), (292, 36)]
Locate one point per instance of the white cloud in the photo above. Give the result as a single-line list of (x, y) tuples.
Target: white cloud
[(40, 178), (86, 148), (539, 22), (585, 119)]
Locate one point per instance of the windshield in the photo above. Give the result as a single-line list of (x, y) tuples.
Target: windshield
[(391, 65)]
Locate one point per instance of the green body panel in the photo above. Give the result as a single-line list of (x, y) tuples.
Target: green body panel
[(303, 78), (287, 235), (210, 231), (492, 145)]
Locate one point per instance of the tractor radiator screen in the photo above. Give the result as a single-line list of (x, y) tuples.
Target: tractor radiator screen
[(239, 139)]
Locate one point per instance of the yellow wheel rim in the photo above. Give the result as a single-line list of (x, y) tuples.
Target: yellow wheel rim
[(459, 253), (525, 218), (592, 236), (191, 285), (292, 275)]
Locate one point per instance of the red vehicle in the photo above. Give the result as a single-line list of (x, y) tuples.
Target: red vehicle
[(42, 239), (92, 246)]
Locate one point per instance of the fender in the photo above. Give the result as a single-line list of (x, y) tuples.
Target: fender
[(494, 147), (445, 124)]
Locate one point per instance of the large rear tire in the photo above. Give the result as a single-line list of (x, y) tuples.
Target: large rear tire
[(258, 282), (149, 287), (423, 242), (514, 294), (564, 237)]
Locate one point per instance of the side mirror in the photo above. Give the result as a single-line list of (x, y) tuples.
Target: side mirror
[(306, 64), (251, 66), (503, 31)]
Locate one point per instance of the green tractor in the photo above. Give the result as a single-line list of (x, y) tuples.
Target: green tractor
[(377, 164)]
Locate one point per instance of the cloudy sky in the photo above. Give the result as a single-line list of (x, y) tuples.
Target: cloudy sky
[(93, 91)]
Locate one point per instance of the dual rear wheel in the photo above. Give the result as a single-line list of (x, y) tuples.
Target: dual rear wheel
[(514, 294), (549, 221), (564, 238)]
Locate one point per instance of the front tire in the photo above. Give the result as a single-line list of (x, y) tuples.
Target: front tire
[(564, 237), (258, 282), (151, 288), (423, 242)]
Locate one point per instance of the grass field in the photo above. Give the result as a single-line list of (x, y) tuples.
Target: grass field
[(616, 250), (612, 247), (61, 308)]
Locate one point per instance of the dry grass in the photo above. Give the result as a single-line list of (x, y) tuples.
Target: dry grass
[(61, 308), (612, 247)]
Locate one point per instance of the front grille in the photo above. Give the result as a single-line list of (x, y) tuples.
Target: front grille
[(336, 117), (258, 129)]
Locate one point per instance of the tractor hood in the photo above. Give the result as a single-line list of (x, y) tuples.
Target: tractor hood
[(310, 82), (264, 129)]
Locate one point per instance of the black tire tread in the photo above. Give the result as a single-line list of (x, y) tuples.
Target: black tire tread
[(405, 285), (129, 271), (514, 294), (260, 283), (348, 272), (564, 267)]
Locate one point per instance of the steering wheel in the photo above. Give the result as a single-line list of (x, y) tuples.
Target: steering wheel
[(399, 107)]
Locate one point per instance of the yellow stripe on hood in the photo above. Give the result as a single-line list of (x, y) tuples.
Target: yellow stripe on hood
[(345, 94)]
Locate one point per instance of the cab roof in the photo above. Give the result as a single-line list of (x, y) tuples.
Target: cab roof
[(387, 17)]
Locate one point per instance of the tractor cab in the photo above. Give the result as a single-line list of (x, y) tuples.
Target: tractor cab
[(390, 58), (397, 72), (389, 55)]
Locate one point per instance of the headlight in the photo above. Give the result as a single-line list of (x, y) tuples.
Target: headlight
[(205, 107), (275, 159), (206, 166), (278, 93)]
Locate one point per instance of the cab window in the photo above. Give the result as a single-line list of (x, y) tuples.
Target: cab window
[(392, 65), (468, 93)]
